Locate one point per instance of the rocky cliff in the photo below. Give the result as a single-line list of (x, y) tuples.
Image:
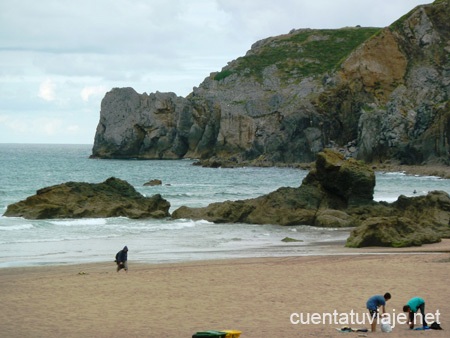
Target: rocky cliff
[(377, 94)]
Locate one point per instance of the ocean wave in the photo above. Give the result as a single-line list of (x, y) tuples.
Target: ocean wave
[(59, 239), (403, 174), (181, 224), (183, 194), (198, 222), (33, 240), (80, 221), (392, 173), (145, 226), (25, 226)]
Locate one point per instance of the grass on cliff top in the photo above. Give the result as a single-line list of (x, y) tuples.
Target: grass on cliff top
[(300, 54)]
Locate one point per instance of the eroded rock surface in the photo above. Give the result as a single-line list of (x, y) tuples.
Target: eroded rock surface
[(112, 198), (339, 193), (377, 94)]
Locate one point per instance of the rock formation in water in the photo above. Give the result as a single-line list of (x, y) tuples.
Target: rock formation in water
[(376, 94), (339, 193), (334, 185), (112, 198)]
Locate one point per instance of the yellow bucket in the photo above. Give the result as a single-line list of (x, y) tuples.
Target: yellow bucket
[(232, 333)]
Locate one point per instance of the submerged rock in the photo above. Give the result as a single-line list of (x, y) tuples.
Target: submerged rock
[(112, 198), (153, 182), (290, 240)]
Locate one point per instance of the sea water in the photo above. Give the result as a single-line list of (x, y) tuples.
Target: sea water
[(25, 168)]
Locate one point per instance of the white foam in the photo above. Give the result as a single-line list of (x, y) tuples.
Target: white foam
[(16, 227), (82, 221)]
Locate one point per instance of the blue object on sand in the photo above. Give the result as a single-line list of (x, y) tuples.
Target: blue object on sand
[(422, 328)]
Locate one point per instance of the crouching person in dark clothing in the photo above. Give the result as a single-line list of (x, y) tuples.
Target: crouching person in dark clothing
[(413, 306), (122, 259)]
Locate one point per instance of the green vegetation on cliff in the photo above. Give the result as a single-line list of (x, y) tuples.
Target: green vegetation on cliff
[(376, 94), (300, 54)]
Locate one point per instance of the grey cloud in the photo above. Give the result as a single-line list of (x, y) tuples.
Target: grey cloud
[(89, 26)]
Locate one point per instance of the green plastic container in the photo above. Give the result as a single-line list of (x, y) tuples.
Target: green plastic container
[(212, 333)]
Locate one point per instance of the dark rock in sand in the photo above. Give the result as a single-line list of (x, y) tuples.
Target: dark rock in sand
[(112, 198), (410, 221), (290, 240), (392, 232)]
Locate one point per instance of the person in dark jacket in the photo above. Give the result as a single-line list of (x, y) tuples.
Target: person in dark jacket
[(122, 259)]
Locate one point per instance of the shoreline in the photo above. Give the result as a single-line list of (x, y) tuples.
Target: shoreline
[(438, 170), (256, 296), (313, 249), (416, 170), (333, 249)]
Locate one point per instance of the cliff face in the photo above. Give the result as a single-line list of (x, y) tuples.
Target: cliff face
[(405, 73), (143, 126), (377, 93)]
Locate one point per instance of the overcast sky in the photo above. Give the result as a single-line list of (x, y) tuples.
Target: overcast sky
[(58, 58)]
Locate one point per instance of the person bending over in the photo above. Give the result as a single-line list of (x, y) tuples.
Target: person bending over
[(412, 307), (122, 259), (373, 303)]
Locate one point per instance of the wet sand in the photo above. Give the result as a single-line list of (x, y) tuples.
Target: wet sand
[(260, 297)]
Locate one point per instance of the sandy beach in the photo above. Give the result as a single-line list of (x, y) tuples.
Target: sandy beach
[(261, 297)]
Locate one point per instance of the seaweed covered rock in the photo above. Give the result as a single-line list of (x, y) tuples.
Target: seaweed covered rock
[(391, 232), (349, 179), (409, 221), (112, 198), (330, 218), (434, 209), (338, 192), (334, 184)]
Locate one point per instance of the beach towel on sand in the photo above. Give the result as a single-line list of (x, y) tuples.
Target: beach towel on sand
[(349, 329)]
